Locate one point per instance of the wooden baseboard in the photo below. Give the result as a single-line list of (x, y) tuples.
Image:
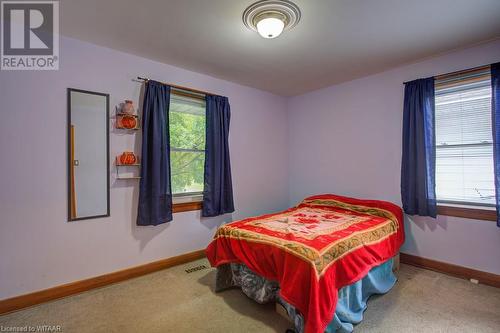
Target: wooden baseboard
[(453, 270), (23, 301)]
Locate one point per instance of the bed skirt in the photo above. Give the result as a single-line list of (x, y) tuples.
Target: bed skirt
[(351, 301)]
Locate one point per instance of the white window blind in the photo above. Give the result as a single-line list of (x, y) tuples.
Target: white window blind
[(464, 141)]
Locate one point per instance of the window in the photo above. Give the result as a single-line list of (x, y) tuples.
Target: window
[(464, 140), (187, 145)]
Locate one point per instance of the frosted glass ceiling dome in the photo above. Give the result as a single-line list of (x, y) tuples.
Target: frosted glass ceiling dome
[(271, 17)]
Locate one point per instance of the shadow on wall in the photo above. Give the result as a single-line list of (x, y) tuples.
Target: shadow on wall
[(212, 222), (430, 223), (423, 223), (144, 234)]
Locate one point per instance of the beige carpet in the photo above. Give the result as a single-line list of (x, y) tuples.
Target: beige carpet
[(174, 301)]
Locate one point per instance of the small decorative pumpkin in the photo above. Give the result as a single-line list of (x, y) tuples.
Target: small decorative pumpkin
[(128, 107), (128, 122), (128, 158)]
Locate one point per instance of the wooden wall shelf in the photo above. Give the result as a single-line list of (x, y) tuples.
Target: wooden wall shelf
[(127, 129), (119, 115), (120, 165)]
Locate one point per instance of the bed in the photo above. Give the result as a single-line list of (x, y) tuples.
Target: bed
[(304, 256)]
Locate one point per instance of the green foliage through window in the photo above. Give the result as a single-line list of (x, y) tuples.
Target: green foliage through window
[(187, 144)]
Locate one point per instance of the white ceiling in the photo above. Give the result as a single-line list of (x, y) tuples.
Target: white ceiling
[(335, 41)]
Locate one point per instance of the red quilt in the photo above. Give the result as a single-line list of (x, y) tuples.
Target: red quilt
[(314, 249)]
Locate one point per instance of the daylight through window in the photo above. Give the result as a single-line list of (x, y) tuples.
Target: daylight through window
[(464, 140), (187, 144)]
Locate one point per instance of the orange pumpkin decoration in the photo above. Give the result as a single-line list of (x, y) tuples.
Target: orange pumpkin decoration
[(128, 158), (128, 122)]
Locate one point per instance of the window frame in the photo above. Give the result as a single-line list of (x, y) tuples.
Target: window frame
[(189, 201), (470, 210), (467, 211)]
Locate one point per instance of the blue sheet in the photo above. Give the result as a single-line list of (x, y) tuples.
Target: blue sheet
[(352, 300), (350, 305)]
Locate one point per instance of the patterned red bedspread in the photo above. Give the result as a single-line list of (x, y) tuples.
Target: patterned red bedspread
[(314, 249)]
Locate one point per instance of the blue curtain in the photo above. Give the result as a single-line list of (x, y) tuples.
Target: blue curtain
[(418, 165), (155, 194), (218, 188), (495, 108)]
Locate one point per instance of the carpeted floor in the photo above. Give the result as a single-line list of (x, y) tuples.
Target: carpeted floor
[(175, 301)]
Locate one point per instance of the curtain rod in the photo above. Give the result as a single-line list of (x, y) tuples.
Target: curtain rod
[(196, 91), (440, 76)]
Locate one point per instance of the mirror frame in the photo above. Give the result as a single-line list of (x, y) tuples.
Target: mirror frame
[(70, 163)]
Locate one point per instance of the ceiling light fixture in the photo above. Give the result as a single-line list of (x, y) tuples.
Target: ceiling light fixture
[(271, 17)]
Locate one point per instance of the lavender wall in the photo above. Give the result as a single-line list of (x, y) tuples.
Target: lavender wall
[(346, 139), (39, 248)]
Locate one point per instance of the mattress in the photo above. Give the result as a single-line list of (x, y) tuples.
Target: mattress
[(314, 249), (352, 299)]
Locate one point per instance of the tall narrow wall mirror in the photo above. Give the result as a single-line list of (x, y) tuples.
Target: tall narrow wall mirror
[(88, 154)]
